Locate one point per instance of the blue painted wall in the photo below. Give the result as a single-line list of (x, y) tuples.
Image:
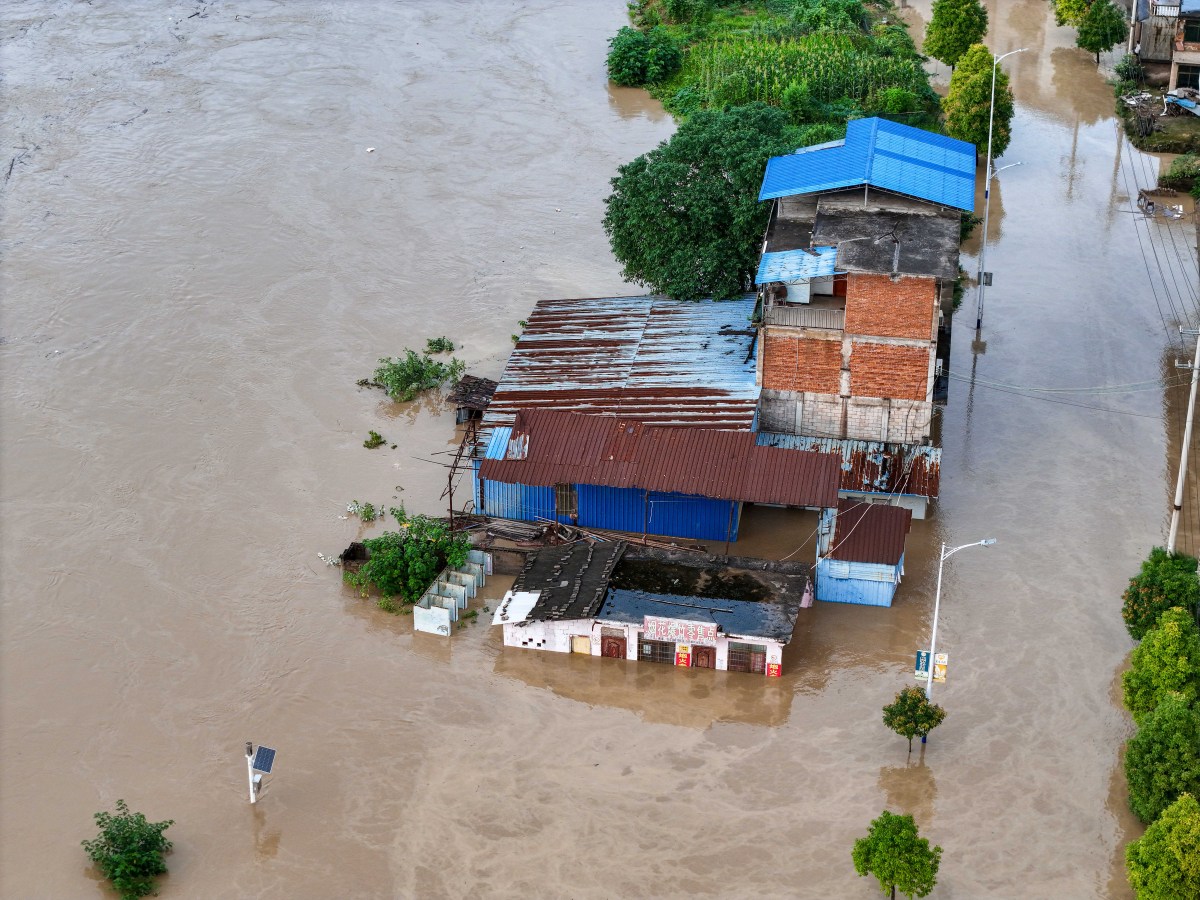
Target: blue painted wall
[(517, 501), (866, 584)]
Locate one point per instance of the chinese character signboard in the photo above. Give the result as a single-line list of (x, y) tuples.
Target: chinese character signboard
[(922, 671), (774, 670), (678, 631), (940, 662), (683, 655)]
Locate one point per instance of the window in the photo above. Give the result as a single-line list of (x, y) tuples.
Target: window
[(1191, 33), (1189, 77), (748, 658), (566, 501), (656, 651)]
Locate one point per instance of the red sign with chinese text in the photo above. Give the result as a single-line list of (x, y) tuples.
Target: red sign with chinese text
[(774, 670), (683, 656)]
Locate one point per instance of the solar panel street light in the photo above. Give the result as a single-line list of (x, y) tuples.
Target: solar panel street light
[(257, 764)]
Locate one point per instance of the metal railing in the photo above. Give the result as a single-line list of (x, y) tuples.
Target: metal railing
[(806, 317)]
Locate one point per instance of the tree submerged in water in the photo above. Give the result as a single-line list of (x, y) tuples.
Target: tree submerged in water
[(897, 856), (129, 850), (404, 563), (911, 715)]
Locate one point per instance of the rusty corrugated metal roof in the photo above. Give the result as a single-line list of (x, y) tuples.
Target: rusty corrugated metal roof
[(871, 466), (870, 532), (660, 361), (550, 447)]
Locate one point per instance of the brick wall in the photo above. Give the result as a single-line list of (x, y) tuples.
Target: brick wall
[(801, 363), (884, 370), (904, 308)]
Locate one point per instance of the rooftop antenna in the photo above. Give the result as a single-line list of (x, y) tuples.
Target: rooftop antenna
[(258, 764)]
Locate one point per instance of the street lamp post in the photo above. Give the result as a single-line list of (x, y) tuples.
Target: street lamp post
[(987, 187), (987, 207), (937, 602)]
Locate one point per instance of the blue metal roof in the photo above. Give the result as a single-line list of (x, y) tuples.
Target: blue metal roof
[(736, 618), (796, 265), (884, 155)]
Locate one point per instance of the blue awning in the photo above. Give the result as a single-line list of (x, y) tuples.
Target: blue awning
[(790, 266)]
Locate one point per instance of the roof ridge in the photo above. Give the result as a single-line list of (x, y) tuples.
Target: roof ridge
[(874, 120)]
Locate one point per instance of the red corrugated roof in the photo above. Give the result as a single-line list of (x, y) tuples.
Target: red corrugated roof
[(553, 447), (870, 532)]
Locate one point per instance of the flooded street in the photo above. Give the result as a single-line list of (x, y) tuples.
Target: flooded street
[(200, 259)]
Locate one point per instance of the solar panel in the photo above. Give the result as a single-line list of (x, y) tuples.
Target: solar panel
[(264, 758)]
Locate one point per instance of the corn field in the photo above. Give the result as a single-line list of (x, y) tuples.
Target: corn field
[(745, 69)]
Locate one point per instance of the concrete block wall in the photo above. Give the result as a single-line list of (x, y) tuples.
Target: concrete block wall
[(857, 418)]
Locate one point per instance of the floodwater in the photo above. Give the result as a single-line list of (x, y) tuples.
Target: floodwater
[(200, 260)]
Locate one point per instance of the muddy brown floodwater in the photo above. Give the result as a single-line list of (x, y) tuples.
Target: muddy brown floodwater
[(201, 258)]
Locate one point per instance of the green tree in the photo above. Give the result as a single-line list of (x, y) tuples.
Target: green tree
[(1070, 12), (636, 58), (129, 850), (404, 563), (1162, 760), (1166, 662), (897, 856), (1102, 28), (1164, 863), (684, 219), (912, 715), (954, 27), (968, 102), (1165, 580)]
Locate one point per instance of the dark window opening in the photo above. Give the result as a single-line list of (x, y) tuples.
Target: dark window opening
[(1191, 34), (1189, 77), (656, 651), (748, 658), (566, 500)]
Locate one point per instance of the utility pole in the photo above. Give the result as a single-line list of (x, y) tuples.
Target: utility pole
[(1187, 438)]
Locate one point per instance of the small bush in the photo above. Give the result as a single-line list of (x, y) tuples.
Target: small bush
[(1183, 172), (638, 58), (894, 101), (404, 563), (365, 511), (439, 345), (407, 376), (967, 223), (374, 439), (1129, 69), (129, 850)]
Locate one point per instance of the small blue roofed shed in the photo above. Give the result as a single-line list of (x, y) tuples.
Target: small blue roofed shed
[(865, 560), (791, 266), (880, 154)]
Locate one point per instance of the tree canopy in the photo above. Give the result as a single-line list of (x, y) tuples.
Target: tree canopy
[(897, 856), (684, 219), (636, 58), (1164, 863), (1167, 661), (968, 102), (1102, 27), (912, 715), (1070, 12), (129, 850), (954, 27), (1162, 760), (1165, 580)]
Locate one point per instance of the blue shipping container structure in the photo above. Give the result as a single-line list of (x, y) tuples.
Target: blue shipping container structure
[(863, 562), (616, 474)]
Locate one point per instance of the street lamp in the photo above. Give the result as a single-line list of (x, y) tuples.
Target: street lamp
[(937, 602), (982, 279), (987, 188)]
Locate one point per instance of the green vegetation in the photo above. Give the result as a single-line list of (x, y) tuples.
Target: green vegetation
[(954, 27), (1070, 12), (1102, 28), (897, 856), (1183, 174), (364, 511), (684, 219), (414, 372), (1165, 580), (404, 563), (1162, 760), (637, 58), (1128, 69), (129, 850), (374, 439), (439, 345), (1167, 662), (968, 102), (912, 715), (1164, 864)]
